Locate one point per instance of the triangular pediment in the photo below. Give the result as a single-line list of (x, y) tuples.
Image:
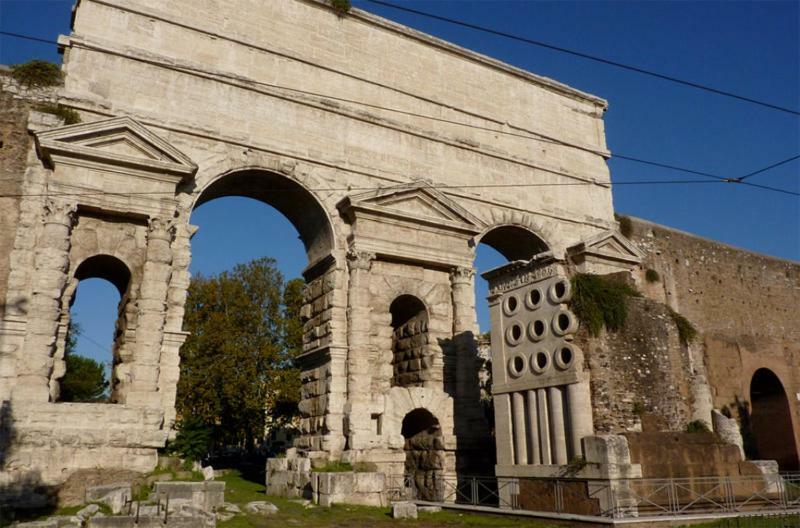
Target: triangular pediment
[(120, 141), (611, 244), (419, 201)]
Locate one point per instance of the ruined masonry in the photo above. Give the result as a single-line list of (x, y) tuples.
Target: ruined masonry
[(184, 102)]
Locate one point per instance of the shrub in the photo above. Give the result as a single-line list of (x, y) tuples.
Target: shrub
[(192, 441), (697, 426), (37, 73), (598, 302), (625, 224), (69, 115), (638, 408), (652, 275), (340, 7), (686, 331)]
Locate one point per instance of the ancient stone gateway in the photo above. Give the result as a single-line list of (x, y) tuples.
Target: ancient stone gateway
[(374, 140), (185, 102)]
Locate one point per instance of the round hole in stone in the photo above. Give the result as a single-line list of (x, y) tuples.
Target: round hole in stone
[(519, 363), (540, 361), (565, 355), (514, 334), (534, 298), (516, 366), (563, 322), (510, 305), (561, 289), (537, 330)]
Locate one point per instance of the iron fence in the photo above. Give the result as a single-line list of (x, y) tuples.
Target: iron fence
[(743, 497)]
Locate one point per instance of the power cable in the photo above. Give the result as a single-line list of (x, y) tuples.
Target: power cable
[(541, 138), (28, 37), (585, 56)]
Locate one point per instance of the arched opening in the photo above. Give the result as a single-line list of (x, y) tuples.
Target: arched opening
[(771, 421), (93, 346), (498, 246), (424, 453), (258, 232), (410, 352), (288, 197)]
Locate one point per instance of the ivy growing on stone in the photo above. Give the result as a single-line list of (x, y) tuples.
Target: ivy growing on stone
[(625, 224), (600, 302), (69, 115), (37, 73), (652, 275), (341, 7)]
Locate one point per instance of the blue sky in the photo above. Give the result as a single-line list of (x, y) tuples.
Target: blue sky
[(749, 48)]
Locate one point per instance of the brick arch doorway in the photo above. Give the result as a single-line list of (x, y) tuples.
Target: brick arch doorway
[(771, 421), (424, 449)]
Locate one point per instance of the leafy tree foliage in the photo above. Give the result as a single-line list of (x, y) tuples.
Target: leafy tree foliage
[(193, 439), (237, 363), (85, 378)]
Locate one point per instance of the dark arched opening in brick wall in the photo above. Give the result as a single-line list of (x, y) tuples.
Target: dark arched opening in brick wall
[(771, 422), (411, 359)]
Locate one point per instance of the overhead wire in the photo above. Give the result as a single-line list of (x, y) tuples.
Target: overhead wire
[(583, 55), (535, 137)]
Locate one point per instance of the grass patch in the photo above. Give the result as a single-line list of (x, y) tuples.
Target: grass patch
[(686, 330), (70, 116), (599, 302), (651, 275), (37, 73), (293, 513), (335, 466)]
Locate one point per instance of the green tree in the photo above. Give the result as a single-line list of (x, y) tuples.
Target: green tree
[(236, 365), (85, 378)]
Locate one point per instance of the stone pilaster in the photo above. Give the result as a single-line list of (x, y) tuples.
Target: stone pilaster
[(51, 262), (169, 363), (359, 264), (151, 306)]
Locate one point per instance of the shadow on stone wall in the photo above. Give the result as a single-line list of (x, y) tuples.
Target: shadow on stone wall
[(476, 451), (20, 306), (23, 496)]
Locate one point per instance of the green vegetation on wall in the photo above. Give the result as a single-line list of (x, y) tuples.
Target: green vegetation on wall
[(652, 275), (341, 7), (37, 74), (599, 301), (625, 224), (686, 331), (69, 115)]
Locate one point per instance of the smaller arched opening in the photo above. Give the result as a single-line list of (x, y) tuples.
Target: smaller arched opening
[(95, 325), (411, 359), (771, 421), (424, 453), (514, 242)]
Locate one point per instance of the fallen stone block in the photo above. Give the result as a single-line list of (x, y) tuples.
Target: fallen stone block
[(112, 495), (404, 510), (261, 508), (208, 473), (429, 509), (88, 511)]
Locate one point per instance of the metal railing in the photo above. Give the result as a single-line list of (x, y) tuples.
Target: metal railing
[(617, 499)]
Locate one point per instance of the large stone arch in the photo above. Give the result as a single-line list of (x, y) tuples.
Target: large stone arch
[(278, 183), (402, 400), (516, 226)]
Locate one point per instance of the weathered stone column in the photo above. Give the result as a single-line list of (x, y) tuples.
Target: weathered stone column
[(358, 327), (558, 447), (51, 262), (579, 402), (520, 433), (533, 424), (151, 306), (544, 426)]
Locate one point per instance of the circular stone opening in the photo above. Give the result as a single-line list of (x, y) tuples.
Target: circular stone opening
[(560, 291), (516, 366), (564, 323), (514, 334), (564, 357), (511, 304), (537, 330), (534, 298), (540, 361)]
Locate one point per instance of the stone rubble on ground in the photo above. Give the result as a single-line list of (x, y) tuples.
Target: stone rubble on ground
[(404, 510), (261, 508)]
